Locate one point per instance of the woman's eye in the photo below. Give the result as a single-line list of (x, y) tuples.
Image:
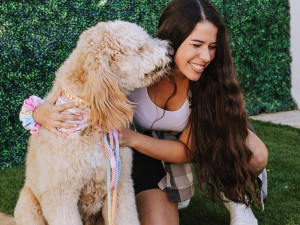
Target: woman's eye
[(196, 46), (212, 47)]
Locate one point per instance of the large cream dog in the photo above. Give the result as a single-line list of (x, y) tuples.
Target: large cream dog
[(66, 177)]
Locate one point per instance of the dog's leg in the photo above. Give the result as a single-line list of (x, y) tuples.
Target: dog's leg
[(91, 200), (60, 206), (28, 209)]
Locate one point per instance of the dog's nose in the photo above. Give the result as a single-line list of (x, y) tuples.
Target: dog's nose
[(171, 51)]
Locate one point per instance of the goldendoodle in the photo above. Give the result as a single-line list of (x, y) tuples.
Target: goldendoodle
[(66, 176)]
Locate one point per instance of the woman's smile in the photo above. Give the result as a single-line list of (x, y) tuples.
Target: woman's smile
[(198, 68)]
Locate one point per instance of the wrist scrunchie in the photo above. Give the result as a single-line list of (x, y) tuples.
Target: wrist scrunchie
[(25, 115)]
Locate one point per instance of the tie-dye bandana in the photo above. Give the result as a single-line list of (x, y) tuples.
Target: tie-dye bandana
[(80, 110)]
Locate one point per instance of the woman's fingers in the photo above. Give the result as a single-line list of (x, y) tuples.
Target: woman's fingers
[(55, 97), (62, 107), (66, 125), (69, 117), (51, 116), (66, 106)]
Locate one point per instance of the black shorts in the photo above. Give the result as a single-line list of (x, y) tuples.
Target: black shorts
[(146, 172)]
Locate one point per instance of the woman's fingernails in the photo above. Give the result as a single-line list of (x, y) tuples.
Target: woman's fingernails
[(75, 125), (80, 117)]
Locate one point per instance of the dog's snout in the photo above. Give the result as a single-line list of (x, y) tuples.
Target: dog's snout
[(171, 51)]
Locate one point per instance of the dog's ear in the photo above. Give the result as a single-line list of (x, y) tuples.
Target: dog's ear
[(109, 105)]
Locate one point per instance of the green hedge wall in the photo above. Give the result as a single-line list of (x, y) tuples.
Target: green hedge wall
[(37, 36)]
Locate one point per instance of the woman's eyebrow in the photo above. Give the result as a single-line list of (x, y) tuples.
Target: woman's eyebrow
[(202, 41)]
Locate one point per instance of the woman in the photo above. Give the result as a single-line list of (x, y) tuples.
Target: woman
[(202, 100)]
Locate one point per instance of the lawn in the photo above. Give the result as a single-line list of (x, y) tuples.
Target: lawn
[(283, 203)]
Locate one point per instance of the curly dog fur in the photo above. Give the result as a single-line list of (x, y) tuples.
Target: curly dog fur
[(66, 177)]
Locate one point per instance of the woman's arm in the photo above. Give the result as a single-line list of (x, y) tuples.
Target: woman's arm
[(176, 151), (50, 117), (166, 150)]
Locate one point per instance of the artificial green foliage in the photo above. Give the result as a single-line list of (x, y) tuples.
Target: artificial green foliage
[(37, 36), (260, 40)]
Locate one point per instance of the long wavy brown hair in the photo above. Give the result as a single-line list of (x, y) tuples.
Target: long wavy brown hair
[(218, 119)]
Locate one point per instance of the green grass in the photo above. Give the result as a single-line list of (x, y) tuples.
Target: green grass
[(283, 203)]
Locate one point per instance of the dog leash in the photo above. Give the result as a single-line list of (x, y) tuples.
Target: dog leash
[(111, 151)]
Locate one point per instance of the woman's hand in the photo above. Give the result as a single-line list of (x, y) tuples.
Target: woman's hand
[(126, 137), (50, 116)]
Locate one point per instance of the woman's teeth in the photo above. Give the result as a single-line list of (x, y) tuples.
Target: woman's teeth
[(197, 67)]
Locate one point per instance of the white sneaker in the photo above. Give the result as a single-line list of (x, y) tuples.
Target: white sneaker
[(240, 214), (182, 205)]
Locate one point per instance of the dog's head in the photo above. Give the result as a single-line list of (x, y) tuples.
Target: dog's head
[(118, 57)]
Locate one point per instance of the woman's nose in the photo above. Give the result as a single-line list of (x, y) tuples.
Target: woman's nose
[(204, 55)]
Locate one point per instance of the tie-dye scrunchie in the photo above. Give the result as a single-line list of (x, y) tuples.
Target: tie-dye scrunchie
[(26, 114)]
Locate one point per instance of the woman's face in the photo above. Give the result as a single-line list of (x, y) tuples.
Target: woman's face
[(197, 51)]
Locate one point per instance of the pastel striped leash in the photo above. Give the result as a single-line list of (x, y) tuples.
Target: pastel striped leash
[(111, 151)]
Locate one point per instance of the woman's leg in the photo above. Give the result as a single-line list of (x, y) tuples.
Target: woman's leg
[(239, 213), (154, 208)]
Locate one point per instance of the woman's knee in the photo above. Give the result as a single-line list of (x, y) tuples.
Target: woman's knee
[(259, 159), (154, 207)]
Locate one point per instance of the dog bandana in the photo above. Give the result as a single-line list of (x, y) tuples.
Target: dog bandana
[(80, 110)]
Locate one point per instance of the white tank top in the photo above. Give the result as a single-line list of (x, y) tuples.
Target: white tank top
[(146, 112)]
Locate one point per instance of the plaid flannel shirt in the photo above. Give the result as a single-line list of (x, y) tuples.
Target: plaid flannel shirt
[(178, 182)]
